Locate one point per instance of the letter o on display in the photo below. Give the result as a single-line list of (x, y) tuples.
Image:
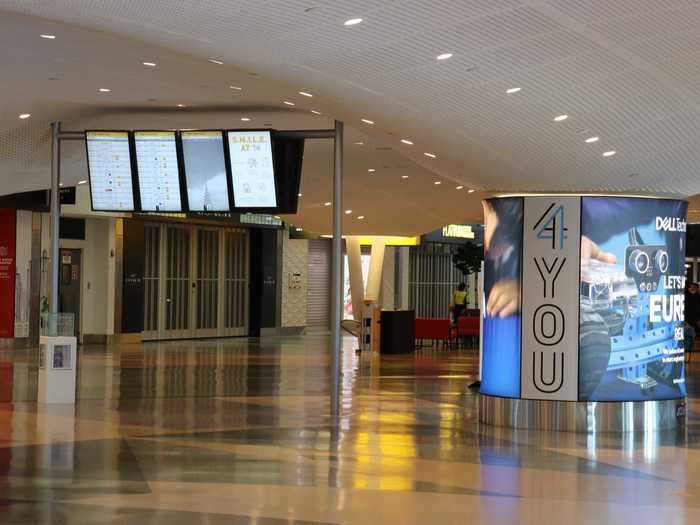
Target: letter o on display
[(548, 325)]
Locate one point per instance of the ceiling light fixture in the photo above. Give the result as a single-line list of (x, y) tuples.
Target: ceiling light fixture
[(150, 64), (236, 88), (371, 170), (591, 140), (459, 187), (216, 61), (105, 90), (471, 191), (559, 118), (300, 195), (80, 183), (437, 182), (406, 141), (348, 212), (352, 22), (299, 229), (316, 112), (431, 155), (360, 217), (48, 37), (25, 116), (444, 56), (245, 119), (404, 176), (513, 90), (289, 103), (305, 94), (367, 121), (609, 153), (359, 143), (328, 203), (181, 106)]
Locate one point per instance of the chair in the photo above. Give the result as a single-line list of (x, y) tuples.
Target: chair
[(468, 326), (437, 329)]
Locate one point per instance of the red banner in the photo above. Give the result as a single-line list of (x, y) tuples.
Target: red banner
[(8, 233)]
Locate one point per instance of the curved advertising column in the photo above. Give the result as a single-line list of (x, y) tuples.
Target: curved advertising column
[(583, 317)]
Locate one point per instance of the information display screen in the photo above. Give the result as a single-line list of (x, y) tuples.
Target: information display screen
[(158, 172), (205, 170), (109, 169), (252, 171), (632, 299)]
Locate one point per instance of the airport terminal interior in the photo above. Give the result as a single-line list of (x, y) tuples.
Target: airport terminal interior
[(349, 262)]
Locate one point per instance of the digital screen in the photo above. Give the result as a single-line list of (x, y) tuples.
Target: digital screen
[(205, 170), (503, 248), (252, 171), (157, 167), (632, 299), (109, 167)]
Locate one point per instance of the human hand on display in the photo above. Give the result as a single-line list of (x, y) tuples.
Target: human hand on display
[(590, 250), (504, 299)]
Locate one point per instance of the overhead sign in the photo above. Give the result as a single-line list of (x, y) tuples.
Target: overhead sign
[(462, 231), (158, 171), (205, 170), (252, 170), (109, 170)]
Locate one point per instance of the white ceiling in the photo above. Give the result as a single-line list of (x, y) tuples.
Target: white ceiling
[(624, 70)]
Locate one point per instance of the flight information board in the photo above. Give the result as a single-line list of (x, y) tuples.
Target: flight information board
[(205, 170), (252, 171), (109, 170), (157, 168)]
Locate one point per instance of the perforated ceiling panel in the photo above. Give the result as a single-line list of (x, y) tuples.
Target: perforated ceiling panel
[(623, 70)]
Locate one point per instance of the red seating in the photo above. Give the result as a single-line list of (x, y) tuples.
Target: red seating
[(468, 326), (434, 329)]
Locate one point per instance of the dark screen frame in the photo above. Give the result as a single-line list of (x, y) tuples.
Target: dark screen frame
[(135, 194), (229, 182), (180, 174)]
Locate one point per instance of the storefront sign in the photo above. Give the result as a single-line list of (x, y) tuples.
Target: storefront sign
[(461, 231), (8, 229)]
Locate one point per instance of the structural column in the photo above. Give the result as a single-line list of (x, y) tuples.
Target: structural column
[(337, 270)]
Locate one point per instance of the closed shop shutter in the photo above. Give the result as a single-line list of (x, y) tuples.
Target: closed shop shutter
[(319, 284)]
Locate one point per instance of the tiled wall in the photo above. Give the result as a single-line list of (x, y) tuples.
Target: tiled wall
[(294, 260)]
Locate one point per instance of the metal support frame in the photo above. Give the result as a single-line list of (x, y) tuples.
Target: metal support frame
[(57, 136)]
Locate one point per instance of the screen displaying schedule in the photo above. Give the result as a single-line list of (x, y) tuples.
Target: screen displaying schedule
[(252, 171), (109, 166), (158, 174), (205, 170)]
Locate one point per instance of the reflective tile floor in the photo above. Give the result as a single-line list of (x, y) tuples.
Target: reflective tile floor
[(238, 432)]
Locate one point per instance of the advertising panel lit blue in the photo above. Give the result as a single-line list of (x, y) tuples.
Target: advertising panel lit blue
[(503, 238), (632, 299)]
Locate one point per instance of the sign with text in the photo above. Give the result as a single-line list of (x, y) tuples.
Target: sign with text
[(8, 233), (551, 244)]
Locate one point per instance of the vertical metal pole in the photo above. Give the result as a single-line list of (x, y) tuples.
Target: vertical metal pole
[(337, 270), (55, 214)]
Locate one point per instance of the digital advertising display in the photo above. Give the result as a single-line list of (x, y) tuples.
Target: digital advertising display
[(503, 238), (109, 170), (205, 170), (632, 299), (158, 170), (252, 169)]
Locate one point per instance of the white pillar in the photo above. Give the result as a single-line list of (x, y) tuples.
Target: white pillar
[(357, 286)]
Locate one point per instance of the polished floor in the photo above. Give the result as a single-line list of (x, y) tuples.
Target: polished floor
[(237, 431)]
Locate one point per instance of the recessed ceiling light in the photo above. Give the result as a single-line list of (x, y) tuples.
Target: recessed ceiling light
[(316, 112), (404, 176), (359, 143), (181, 105), (150, 64), (406, 141), (300, 195), (60, 184), (216, 61), (245, 119), (513, 90), (328, 203), (236, 88), (471, 191), (25, 115), (590, 140), (437, 182), (48, 37), (352, 22), (289, 103), (460, 187), (305, 94), (105, 90), (431, 155), (367, 121), (444, 56), (559, 118), (371, 170), (348, 212), (80, 183), (299, 229), (360, 217), (609, 153)]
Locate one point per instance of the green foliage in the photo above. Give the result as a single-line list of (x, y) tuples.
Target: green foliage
[(468, 258)]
